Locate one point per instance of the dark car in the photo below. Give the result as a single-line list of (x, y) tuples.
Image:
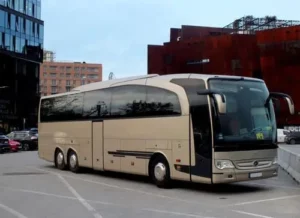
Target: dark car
[(4, 144), (28, 139), (292, 138)]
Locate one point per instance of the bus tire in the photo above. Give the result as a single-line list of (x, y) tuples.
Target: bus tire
[(73, 162), (160, 172), (60, 160)]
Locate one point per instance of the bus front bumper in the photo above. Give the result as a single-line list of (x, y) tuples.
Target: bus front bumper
[(235, 175)]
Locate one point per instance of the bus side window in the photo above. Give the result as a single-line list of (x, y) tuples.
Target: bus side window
[(128, 101), (97, 104)]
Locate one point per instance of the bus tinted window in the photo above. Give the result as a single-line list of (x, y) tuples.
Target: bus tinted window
[(62, 108), (128, 101), (97, 104), (162, 102)]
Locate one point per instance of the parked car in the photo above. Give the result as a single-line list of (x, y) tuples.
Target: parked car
[(4, 144), (14, 145), (293, 138), (281, 135), (27, 139)]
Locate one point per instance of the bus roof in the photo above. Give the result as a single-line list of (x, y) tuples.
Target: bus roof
[(167, 78)]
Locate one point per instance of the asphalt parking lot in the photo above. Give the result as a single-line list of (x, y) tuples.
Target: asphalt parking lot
[(33, 188)]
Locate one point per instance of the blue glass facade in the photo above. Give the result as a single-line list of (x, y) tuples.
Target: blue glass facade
[(21, 52), (21, 28)]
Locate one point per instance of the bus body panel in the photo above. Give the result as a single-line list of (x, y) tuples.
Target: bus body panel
[(66, 135), (98, 161), (260, 162), (130, 143)]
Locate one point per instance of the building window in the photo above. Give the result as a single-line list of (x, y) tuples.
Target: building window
[(54, 82), (68, 89), (53, 75), (2, 18), (53, 68), (68, 82), (13, 22), (68, 75), (53, 90)]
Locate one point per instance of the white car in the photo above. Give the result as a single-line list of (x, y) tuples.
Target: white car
[(281, 134)]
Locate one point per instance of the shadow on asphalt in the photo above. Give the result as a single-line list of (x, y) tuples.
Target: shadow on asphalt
[(234, 188)]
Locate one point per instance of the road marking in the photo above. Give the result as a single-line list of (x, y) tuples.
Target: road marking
[(60, 196), (12, 211), (80, 199), (251, 214), (265, 200), (175, 213), (100, 202), (126, 189)]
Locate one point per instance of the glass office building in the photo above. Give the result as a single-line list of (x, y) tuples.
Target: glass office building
[(21, 52)]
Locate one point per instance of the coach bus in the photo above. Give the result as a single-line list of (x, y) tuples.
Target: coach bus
[(200, 128)]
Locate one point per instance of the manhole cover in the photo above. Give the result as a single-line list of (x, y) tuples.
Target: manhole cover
[(22, 173)]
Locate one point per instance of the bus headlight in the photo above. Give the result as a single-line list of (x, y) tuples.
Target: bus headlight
[(275, 161), (224, 164)]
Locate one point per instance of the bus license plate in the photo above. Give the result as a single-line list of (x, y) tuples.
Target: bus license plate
[(255, 175)]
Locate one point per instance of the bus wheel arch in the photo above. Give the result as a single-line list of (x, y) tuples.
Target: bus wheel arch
[(59, 159), (159, 170), (72, 160)]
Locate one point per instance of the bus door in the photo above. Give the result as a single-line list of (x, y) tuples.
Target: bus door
[(201, 170), (97, 145)]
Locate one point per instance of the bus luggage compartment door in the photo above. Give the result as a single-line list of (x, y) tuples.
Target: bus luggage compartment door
[(97, 145)]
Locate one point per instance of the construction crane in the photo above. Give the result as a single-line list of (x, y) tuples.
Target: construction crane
[(111, 76)]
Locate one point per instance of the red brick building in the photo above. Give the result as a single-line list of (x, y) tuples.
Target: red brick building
[(58, 77), (265, 48)]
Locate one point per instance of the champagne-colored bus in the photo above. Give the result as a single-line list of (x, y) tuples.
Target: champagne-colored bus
[(199, 128)]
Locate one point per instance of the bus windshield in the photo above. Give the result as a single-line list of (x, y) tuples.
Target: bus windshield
[(248, 119)]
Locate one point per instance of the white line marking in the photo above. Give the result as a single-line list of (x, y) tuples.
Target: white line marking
[(80, 199), (126, 189), (12, 211), (174, 213), (100, 202), (265, 200), (59, 196), (251, 214)]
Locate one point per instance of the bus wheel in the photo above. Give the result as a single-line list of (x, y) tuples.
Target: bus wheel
[(160, 172), (60, 160), (73, 162)]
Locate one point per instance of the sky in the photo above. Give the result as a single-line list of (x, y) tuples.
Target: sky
[(116, 33)]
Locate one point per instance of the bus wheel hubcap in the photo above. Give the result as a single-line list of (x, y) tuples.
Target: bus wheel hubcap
[(60, 158), (73, 161), (160, 171)]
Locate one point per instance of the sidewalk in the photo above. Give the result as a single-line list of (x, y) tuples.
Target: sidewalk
[(289, 159)]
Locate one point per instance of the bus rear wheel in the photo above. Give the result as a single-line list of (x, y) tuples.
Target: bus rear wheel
[(160, 172), (73, 162), (60, 160)]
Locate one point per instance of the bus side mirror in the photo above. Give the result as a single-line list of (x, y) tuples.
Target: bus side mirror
[(218, 97), (286, 97), (221, 104)]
